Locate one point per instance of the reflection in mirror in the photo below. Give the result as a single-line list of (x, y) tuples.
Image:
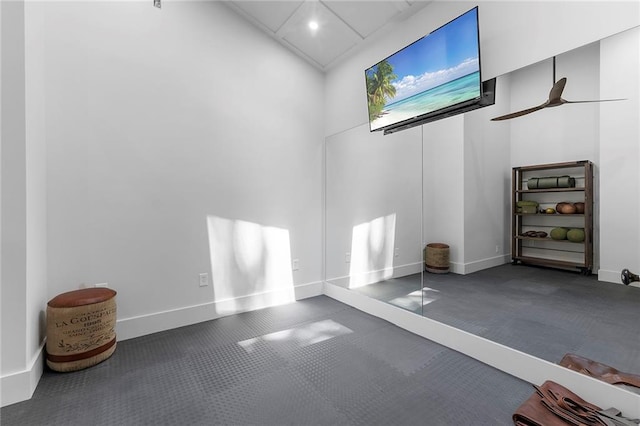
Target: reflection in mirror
[(542, 311), (375, 187), (373, 214)]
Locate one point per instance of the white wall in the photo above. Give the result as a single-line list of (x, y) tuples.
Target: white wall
[(567, 133), (159, 123), (36, 182), (512, 35), (464, 191), (13, 183), (139, 137), (443, 195), (373, 197), (486, 186), (13, 191), (619, 155), (23, 283)]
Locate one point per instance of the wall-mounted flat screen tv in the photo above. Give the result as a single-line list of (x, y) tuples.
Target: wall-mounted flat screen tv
[(439, 72)]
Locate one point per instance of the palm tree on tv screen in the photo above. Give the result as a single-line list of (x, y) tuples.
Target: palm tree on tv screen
[(379, 87)]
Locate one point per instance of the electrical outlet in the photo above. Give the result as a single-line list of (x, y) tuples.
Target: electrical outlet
[(204, 279), (101, 285), (347, 257), (497, 249), (396, 252), (295, 264)]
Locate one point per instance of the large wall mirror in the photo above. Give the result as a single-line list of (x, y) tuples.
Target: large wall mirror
[(373, 214), (450, 181)]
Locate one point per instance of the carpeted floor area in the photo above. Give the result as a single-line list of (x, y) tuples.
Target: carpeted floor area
[(313, 362), (541, 311)]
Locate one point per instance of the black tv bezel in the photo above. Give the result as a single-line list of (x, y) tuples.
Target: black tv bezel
[(447, 111)]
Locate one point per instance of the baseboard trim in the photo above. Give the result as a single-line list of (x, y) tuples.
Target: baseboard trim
[(479, 265), (129, 328), (511, 361), (20, 386), (371, 277), (609, 276), (613, 277)]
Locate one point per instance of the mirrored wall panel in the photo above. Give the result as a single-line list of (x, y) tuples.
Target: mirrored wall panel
[(374, 214), (449, 182)]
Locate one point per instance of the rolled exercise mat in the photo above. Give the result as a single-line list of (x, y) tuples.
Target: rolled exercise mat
[(436, 258), (551, 182), (81, 328)]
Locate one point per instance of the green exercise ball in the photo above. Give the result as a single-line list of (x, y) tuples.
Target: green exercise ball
[(576, 235), (559, 233)]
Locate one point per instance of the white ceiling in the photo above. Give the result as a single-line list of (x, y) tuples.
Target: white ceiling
[(343, 24)]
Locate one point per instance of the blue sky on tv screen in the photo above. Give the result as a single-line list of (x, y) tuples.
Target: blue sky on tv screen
[(446, 54)]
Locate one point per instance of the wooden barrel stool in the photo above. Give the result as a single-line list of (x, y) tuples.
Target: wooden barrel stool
[(436, 258), (81, 328)]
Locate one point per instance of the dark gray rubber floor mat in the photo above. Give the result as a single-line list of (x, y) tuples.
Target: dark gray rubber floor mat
[(313, 362), (544, 312)]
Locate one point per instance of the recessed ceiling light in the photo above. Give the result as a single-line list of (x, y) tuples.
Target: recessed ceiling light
[(313, 25)]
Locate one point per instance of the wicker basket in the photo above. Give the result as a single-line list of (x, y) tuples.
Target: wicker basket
[(436, 258), (80, 328)]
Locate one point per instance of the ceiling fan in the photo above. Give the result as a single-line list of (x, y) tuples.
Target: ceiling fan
[(555, 99)]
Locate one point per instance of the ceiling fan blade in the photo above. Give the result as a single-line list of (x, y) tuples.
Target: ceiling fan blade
[(520, 113), (599, 100), (556, 91)]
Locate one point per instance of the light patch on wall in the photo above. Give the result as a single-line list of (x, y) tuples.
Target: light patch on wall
[(372, 247), (299, 337), (249, 259)]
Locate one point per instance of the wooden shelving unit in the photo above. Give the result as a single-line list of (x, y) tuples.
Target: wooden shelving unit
[(546, 251)]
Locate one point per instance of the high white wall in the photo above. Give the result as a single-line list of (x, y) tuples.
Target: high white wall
[(13, 278), (443, 168), (13, 183), (619, 155), (373, 211), (165, 134), (512, 35), (486, 186), (464, 191), (567, 133), (36, 182), (23, 282), (173, 142)]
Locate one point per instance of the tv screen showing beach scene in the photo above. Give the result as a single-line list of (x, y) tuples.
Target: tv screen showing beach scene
[(440, 70)]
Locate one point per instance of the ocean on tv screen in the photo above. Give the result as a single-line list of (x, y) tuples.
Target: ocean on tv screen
[(451, 93)]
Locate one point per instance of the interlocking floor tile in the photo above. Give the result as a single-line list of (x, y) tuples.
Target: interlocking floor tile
[(361, 371)]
